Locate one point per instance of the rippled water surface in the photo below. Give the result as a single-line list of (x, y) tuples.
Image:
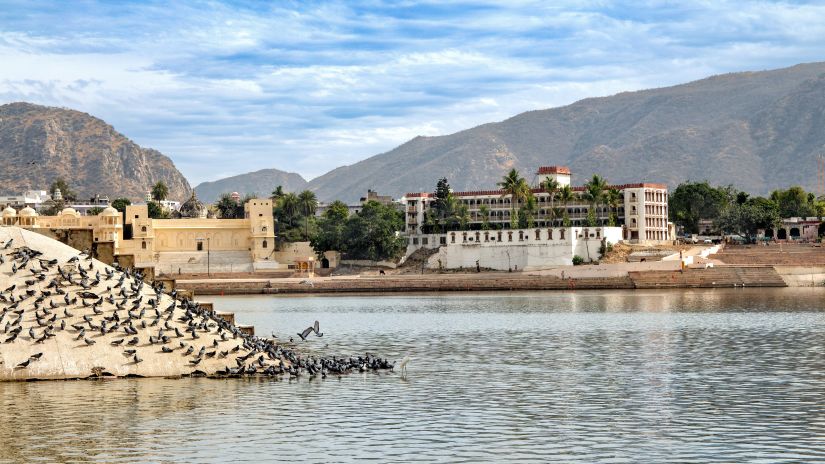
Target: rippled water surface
[(716, 375)]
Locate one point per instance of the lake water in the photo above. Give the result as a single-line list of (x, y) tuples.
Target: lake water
[(732, 375)]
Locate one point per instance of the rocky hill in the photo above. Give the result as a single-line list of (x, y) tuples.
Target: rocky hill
[(39, 144), (756, 130), (261, 182)]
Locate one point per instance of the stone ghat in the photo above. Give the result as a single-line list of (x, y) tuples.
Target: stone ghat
[(64, 315), (443, 283)]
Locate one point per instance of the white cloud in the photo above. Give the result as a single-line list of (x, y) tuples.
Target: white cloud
[(308, 88)]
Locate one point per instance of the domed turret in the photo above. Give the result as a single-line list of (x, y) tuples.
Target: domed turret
[(27, 212), (9, 212), (193, 208), (109, 212), (69, 212)]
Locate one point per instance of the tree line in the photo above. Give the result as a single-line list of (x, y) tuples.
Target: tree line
[(737, 212)]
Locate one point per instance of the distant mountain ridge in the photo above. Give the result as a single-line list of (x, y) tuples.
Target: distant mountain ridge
[(261, 182), (756, 130), (39, 144)]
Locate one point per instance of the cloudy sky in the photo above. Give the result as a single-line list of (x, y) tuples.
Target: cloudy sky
[(230, 87)]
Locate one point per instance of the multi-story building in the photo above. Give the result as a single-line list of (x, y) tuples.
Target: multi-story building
[(641, 212)]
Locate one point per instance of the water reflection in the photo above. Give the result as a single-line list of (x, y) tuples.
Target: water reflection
[(720, 375)]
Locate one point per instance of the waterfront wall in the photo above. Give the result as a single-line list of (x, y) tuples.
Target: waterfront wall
[(519, 249)]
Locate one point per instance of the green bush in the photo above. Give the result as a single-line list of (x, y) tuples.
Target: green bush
[(577, 260)]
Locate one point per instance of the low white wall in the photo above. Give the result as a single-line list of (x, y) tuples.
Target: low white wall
[(524, 251)]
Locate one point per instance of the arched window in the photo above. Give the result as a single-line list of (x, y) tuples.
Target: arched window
[(264, 244), (538, 234), (143, 245), (549, 234), (143, 228)]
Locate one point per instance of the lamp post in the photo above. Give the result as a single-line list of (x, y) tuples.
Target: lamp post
[(208, 273)]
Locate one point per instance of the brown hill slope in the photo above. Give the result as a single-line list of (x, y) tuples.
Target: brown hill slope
[(39, 144), (756, 130)]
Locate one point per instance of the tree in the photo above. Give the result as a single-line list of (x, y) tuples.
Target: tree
[(160, 191), (463, 216), (373, 233), (551, 186), (527, 213), (794, 202), (277, 193), (329, 235), (594, 193), (157, 211), (746, 218), (287, 212), (484, 212), (66, 192), (692, 201), (94, 211), (120, 204), (309, 203), (444, 206), (517, 188), (228, 208), (566, 195), (613, 198)]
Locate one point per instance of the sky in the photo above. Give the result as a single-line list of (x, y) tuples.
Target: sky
[(230, 87)]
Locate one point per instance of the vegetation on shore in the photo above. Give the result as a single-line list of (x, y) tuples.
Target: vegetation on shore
[(736, 212)]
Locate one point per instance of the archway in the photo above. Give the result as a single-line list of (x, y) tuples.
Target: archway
[(325, 263), (794, 232), (768, 233), (782, 234)]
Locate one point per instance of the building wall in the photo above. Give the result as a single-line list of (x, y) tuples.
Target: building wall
[(521, 249)]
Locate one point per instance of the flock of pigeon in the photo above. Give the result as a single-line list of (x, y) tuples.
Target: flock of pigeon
[(114, 306)]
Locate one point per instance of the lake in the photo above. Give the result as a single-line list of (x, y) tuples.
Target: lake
[(723, 375)]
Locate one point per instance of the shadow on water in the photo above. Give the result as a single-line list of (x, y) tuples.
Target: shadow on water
[(718, 375)]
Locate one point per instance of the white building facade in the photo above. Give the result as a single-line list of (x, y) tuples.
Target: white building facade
[(642, 212)]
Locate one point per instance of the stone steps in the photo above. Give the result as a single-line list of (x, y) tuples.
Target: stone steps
[(709, 278)]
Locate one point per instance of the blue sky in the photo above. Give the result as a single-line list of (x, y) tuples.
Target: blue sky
[(230, 87)]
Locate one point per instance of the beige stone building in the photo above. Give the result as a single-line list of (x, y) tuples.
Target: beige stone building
[(191, 244)]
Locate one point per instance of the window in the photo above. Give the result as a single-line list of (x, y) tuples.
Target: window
[(538, 234), (264, 244), (143, 228), (200, 246), (549, 234), (561, 231), (424, 241), (442, 240), (143, 245), (415, 240)]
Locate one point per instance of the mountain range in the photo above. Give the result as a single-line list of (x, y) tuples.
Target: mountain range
[(39, 144), (758, 131)]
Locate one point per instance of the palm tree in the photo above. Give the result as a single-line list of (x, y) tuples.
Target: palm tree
[(160, 191), (227, 207), (613, 197), (463, 214), (514, 185), (289, 206), (309, 203), (277, 193), (551, 186), (566, 195), (484, 212), (530, 207), (594, 191)]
